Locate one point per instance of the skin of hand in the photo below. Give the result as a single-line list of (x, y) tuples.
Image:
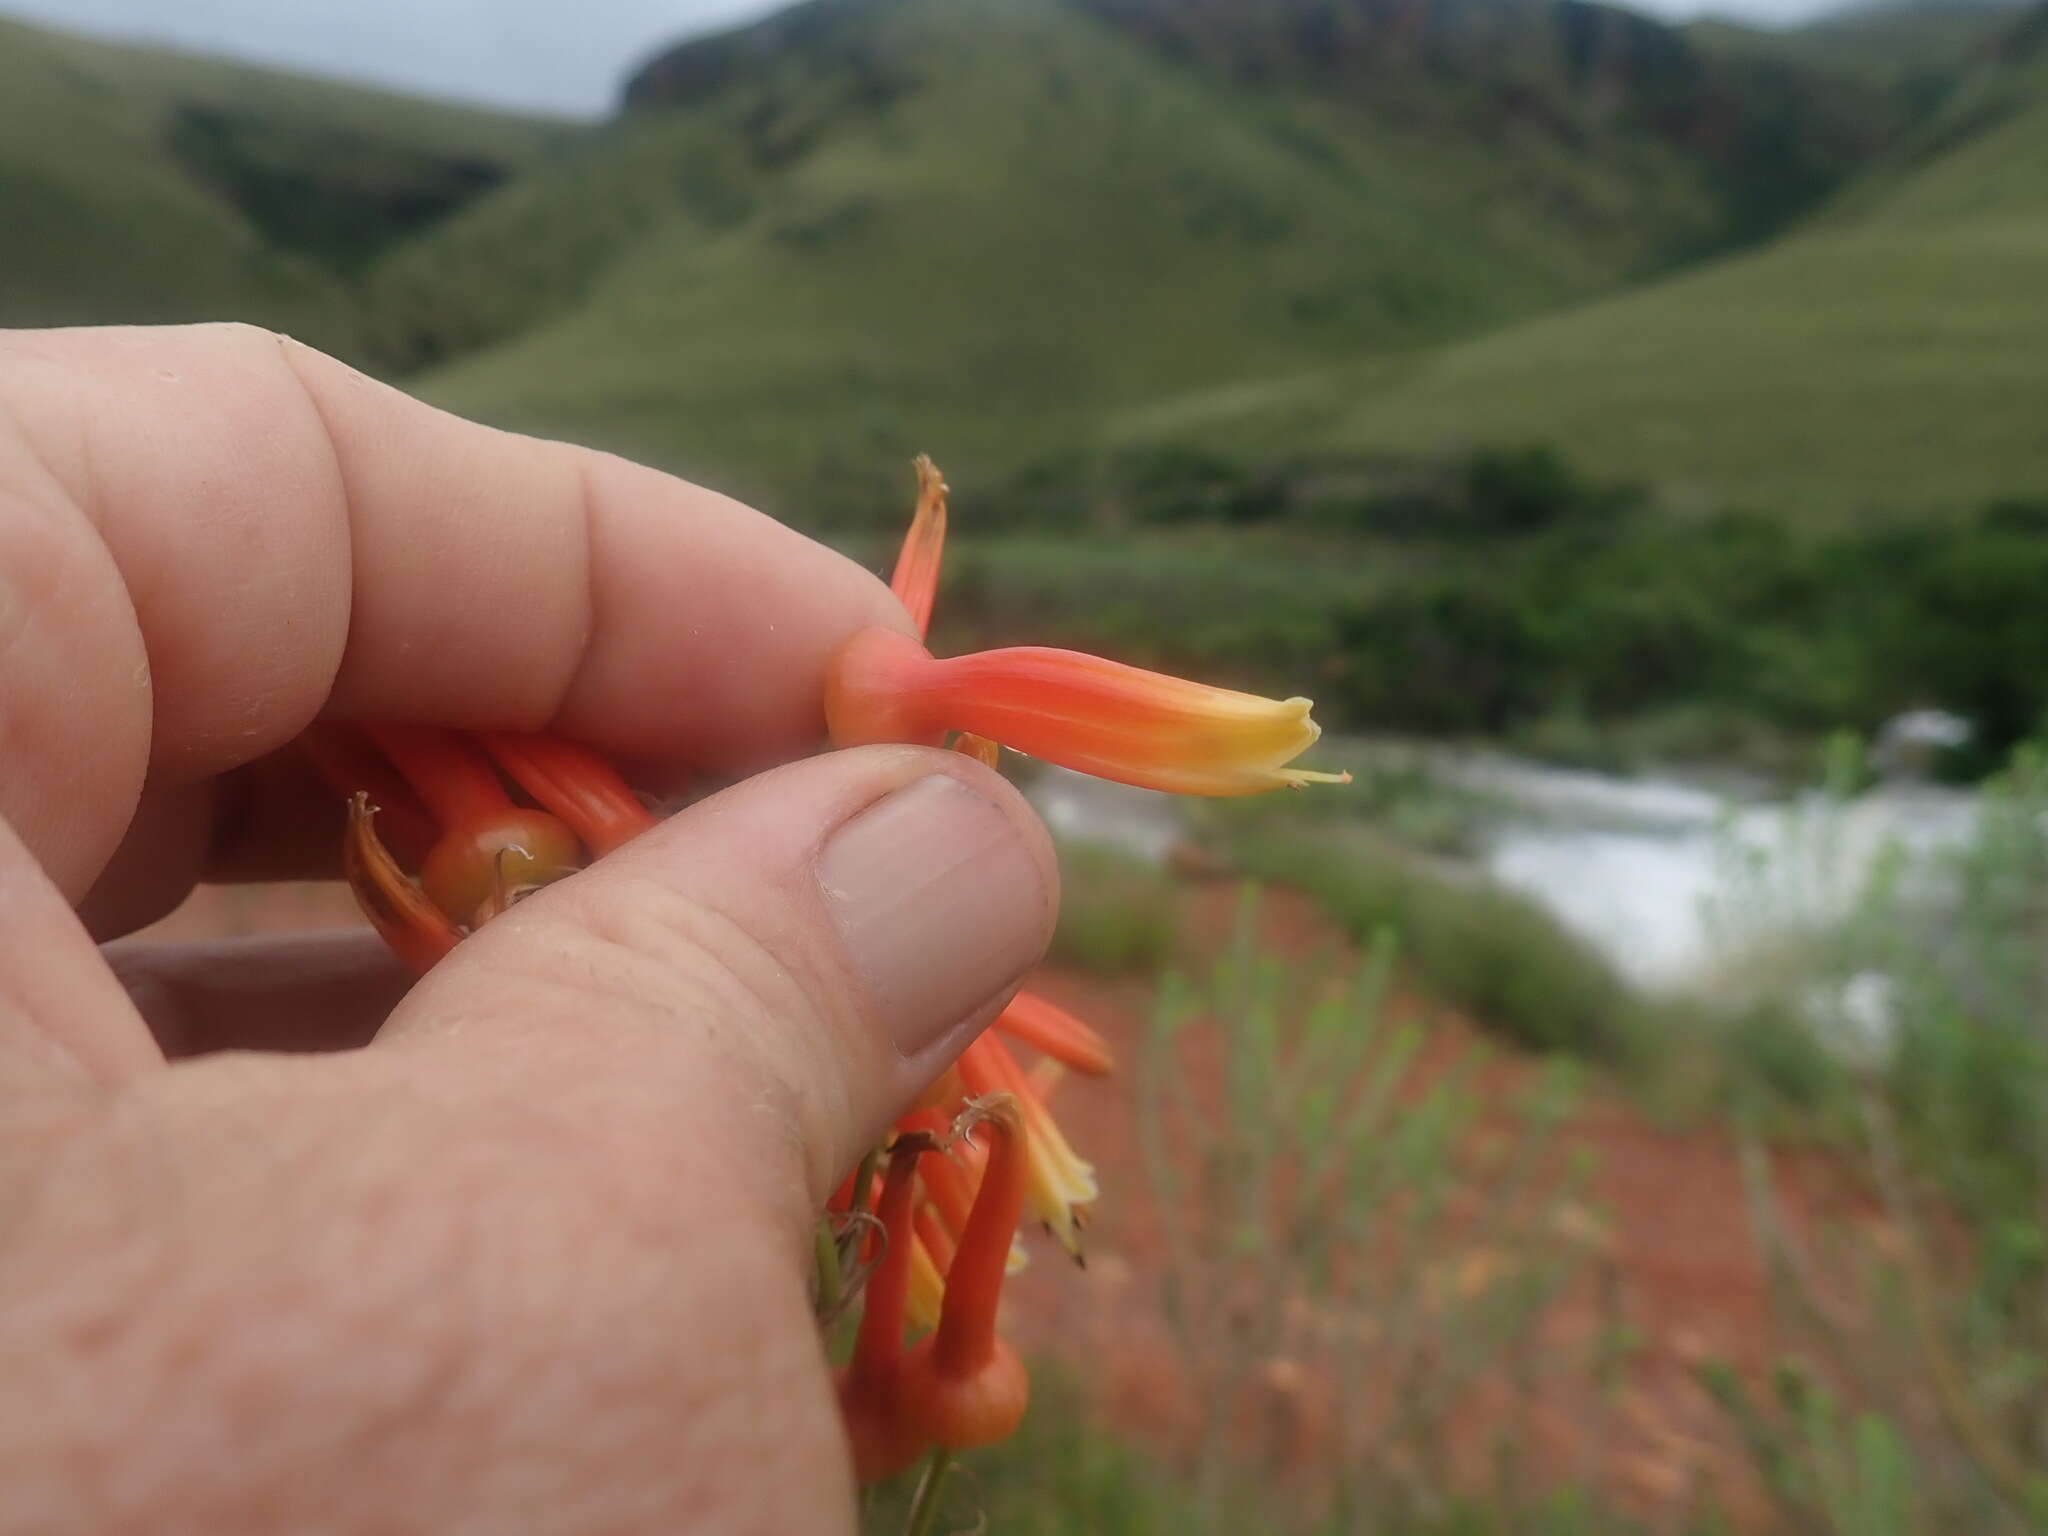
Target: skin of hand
[(285, 1247)]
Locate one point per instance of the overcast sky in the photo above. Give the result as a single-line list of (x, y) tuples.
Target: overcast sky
[(548, 55)]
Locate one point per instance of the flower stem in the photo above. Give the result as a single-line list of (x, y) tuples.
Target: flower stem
[(924, 1509), (825, 1252), (864, 1180)]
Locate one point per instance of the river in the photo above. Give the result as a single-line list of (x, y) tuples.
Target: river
[(1654, 872)]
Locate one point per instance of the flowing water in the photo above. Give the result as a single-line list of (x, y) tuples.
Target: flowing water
[(1656, 872), (1653, 872)]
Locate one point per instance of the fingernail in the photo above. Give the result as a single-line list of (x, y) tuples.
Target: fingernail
[(941, 904)]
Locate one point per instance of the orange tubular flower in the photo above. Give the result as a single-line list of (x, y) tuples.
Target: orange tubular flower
[(344, 756), (1096, 716), (937, 1241), (964, 1386), (1083, 712), (488, 845), (1058, 1185), (916, 581), (1058, 1034), (575, 784), (884, 1443), (988, 753), (947, 1180)]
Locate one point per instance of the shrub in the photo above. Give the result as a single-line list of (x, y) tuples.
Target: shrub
[(1343, 1216), (1117, 913), (1494, 954), (1923, 1400)]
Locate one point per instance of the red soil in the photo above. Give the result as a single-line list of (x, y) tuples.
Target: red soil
[(1666, 1216)]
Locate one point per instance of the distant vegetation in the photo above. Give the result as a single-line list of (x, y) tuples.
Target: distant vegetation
[(1508, 594), (1488, 951), (1118, 913), (1226, 321), (1888, 357), (866, 227), (139, 185)]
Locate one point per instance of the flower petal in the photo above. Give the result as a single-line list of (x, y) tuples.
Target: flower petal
[(1059, 1186), (417, 930), (573, 782), (1057, 1033), (916, 581)]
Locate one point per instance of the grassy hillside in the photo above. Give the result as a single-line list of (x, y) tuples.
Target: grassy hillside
[(144, 185), (1894, 357), (977, 226)]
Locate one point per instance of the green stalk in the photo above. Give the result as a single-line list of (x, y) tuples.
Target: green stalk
[(825, 1253), (924, 1509)]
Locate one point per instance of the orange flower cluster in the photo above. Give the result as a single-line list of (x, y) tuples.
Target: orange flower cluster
[(983, 1147)]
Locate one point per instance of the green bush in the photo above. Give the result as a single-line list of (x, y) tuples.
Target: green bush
[(1063, 1474), (1502, 593), (1308, 1154), (1499, 957), (1117, 913), (1920, 1402)]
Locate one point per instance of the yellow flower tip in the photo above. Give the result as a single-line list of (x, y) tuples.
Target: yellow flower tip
[(927, 1289), (1059, 1185), (1301, 778)]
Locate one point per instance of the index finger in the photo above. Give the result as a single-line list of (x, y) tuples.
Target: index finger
[(210, 535)]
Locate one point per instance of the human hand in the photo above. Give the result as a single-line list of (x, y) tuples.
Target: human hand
[(534, 1258)]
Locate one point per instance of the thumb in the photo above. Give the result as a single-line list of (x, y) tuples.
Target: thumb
[(767, 979)]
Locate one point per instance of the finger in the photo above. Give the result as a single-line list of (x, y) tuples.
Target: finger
[(208, 535), (273, 819), (781, 968), (64, 1021), (277, 992), (547, 1232), (163, 854), (271, 1293)]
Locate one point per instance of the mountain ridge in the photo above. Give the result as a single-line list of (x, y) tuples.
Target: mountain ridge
[(1887, 358), (870, 226), (1009, 231)]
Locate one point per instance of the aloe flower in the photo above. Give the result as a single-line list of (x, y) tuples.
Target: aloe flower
[(1083, 712), (982, 1147)]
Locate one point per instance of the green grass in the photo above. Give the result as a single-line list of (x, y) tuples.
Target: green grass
[(1856, 372), (101, 224), (146, 186), (1006, 231), (1247, 609), (1486, 950), (1062, 1474), (1117, 913)]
